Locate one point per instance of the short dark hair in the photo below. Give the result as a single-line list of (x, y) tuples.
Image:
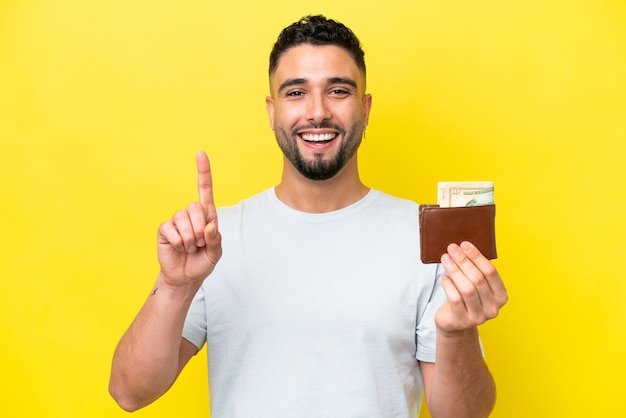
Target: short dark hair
[(317, 30)]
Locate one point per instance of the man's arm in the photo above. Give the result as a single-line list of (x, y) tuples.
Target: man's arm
[(152, 352), (459, 383)]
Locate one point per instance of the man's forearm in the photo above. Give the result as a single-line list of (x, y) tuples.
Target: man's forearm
[(462, 385), (146, 360)]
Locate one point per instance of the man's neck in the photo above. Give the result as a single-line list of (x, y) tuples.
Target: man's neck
[(321, 196)]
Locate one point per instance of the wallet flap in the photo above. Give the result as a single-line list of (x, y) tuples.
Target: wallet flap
[(440, 227)]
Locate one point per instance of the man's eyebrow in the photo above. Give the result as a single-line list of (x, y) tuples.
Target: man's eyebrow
[(343, 80), (333, 80), (291, 82)]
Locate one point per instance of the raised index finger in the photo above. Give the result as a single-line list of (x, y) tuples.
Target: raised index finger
[(205, 182)]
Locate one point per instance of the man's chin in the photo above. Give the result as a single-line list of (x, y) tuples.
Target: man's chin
[(319, 172)]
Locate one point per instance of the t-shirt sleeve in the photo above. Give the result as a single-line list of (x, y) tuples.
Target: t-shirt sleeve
[(195, 327), (425, 330)]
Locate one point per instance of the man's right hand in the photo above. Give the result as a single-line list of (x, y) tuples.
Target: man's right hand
[(190, 244)]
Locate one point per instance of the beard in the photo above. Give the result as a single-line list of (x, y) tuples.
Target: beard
[(318, 168)]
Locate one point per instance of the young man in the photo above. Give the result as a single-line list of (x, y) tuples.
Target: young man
[(314, 303)]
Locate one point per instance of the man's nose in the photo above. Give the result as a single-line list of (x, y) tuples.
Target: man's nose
[(318, 109)]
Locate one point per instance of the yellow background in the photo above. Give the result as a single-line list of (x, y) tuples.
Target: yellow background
[(103, 105)]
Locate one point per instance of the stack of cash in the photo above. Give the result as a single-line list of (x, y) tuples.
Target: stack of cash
[(455, 194)]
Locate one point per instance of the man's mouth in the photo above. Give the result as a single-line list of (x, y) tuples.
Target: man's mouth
[(318, 138)]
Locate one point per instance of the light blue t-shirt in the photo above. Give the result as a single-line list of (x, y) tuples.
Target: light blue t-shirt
[(317, 315)]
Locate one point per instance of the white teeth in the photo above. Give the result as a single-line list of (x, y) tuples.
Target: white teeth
[(317, 137)]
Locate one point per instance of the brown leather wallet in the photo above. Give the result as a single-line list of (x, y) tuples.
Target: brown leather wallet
[(440, 227)]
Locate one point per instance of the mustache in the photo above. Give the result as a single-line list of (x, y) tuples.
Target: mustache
[(321, 125)]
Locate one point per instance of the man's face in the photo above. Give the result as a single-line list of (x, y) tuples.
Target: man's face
[(318, 108)]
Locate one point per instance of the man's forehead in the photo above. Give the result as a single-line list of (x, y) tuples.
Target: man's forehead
[(313, 63)]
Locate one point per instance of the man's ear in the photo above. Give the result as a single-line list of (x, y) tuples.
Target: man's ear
[(367, 106), (269, 105)]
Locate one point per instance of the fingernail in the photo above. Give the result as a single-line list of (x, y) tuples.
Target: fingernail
[(465, 246), (453, 249)]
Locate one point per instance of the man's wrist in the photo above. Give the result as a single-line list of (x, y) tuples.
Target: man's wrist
[(164, 285), (460, 336)]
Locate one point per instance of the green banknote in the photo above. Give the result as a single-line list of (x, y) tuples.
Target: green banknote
[(464, 193)]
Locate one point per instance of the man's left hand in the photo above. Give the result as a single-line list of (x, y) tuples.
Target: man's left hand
[(473, 286)]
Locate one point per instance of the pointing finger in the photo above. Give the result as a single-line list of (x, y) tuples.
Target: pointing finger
[(205, 182)]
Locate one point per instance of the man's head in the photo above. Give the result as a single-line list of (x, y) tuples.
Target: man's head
[(318, 108), (317, 31)]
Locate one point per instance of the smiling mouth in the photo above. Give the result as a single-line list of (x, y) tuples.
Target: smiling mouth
[(318, 138)]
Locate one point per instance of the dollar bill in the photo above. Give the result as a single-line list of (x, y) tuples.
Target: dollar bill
[(454, 194)]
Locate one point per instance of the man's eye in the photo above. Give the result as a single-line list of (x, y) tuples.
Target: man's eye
[(338, 92), (295, 93)]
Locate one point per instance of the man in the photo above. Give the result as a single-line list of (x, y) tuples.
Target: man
[(319, 305)]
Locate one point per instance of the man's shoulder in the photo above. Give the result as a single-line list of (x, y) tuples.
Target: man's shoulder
[(253, 208), (389, 201), (250, 201)]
